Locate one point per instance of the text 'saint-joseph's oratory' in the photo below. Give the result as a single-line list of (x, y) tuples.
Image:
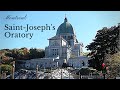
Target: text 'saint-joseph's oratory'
[(63, 47)]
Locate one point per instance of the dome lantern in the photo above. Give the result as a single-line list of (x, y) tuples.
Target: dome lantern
[(65, 20)]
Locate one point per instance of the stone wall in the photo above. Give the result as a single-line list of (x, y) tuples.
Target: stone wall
[(77, 62), (42, 63)]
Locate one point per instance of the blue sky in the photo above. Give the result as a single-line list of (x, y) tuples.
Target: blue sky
[(85, 24)]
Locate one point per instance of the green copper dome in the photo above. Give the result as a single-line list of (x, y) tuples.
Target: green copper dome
[(65, 27)]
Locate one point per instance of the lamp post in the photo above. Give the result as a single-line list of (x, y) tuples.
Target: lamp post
[(13, 69), (61, 73), (68, 72), (79, 75), (79, 70), (57, 65), (51, 67), (69, 75), (37, 72), (103, 69), (44, 70)]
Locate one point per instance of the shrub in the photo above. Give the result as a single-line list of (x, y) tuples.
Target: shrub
[(5, 67)]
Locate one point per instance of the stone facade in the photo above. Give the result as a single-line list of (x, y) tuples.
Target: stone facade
[(78, 62), (41, 62), (64, 46), (65, 43), (57, 47)]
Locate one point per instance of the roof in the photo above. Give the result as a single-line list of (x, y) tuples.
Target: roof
[(65, 27), (57, 38), (54, 38)]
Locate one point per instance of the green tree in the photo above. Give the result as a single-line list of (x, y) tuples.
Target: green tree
[(105, 42), (113, 64), (5, 67), (36, 53)]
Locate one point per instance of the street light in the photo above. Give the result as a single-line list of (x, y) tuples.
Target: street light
[(103, 69), (79, 75), (68, 72), (57, 64), (37, 72), (61, 73), (13, 69)]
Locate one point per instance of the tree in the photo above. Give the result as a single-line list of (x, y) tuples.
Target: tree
[(5, 67), (36, 53), (113, 64), (105, 42)]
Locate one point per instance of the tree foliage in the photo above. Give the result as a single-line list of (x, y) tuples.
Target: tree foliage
[(5, 67), (36, 53), (105, 42), (22, 53), (113, 64), (7, 55)]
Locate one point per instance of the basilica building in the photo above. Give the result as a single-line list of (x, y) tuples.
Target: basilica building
[(64, 47), (64, 44)]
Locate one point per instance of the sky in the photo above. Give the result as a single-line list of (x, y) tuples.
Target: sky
[(85, 23)]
